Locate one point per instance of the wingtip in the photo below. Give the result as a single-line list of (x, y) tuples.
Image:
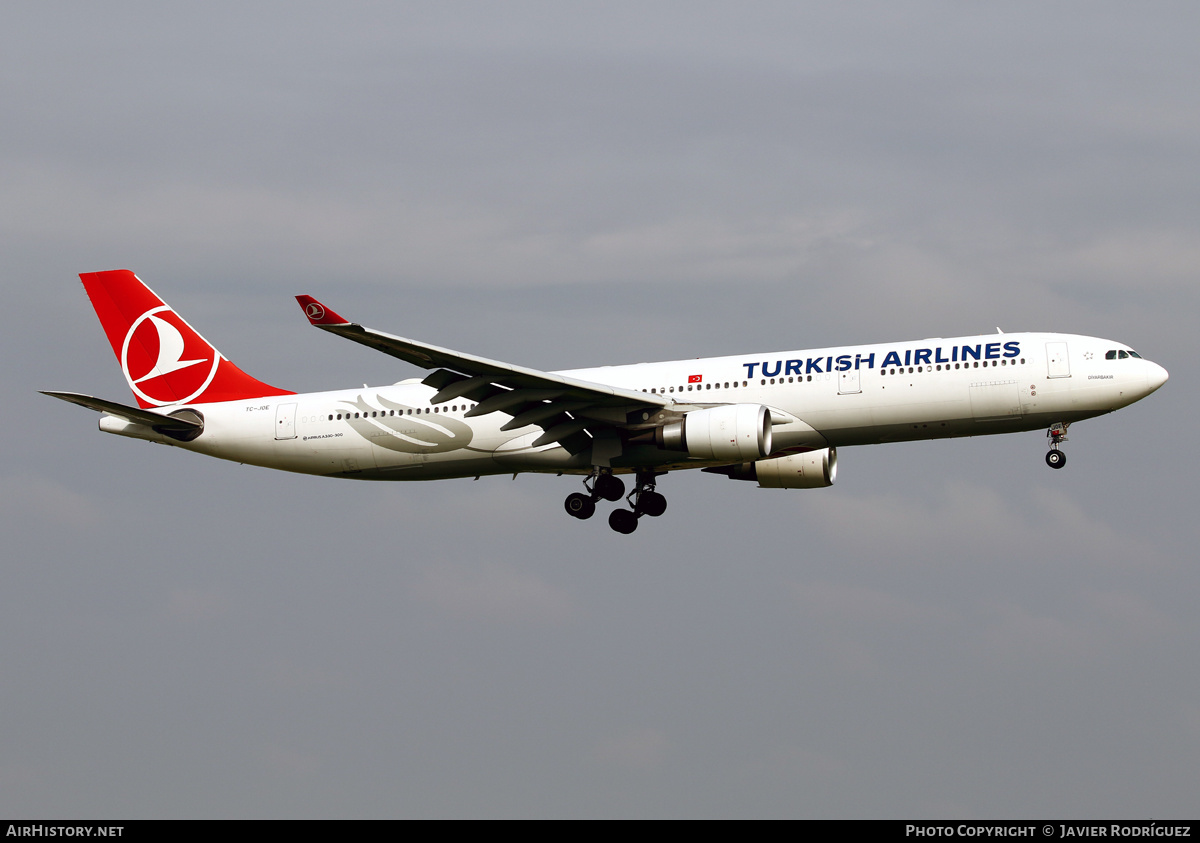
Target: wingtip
[(319, 314)]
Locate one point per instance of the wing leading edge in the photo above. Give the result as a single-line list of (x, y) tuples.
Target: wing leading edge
[(570, 411)]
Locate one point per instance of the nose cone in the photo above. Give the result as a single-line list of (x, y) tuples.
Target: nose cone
[(1156, 376)]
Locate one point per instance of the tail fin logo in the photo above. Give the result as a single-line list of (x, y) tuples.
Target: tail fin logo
[(161, 366), (315, 311)]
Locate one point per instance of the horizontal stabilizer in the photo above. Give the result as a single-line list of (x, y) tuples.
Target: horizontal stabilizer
[(122, 411)]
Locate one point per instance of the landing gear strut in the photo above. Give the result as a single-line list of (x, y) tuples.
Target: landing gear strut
[(600, 485), (643, 500), (1057, 434)]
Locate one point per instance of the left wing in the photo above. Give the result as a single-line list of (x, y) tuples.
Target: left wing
[(567, 409)]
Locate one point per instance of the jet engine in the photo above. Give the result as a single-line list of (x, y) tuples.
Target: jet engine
[(810, 470), (734, 432)]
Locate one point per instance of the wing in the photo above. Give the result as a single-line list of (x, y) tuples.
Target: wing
[(569, 410)]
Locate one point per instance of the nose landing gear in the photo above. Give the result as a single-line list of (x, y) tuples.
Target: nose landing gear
[(1057, 434)]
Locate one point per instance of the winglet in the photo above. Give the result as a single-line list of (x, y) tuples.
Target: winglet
[(319, 314)]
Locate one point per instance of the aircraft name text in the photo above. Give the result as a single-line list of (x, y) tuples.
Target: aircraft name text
[(911, 357)]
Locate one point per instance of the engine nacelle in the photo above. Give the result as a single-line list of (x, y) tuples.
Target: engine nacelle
[(735, 432), (811, 470)]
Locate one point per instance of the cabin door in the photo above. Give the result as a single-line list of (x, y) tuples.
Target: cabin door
[(849, 383), (1057, 363)]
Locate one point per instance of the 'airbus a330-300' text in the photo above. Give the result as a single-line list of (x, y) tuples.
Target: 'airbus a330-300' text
[(777, 419)]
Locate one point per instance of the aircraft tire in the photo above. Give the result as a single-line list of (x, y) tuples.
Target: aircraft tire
[(652, 504), (579, 505), (1056, 459), (623, 521), (609, 487)]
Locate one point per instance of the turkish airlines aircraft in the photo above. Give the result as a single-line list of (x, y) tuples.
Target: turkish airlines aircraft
[(775, 418)]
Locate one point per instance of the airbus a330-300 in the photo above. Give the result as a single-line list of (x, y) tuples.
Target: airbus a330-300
[(776, 419)]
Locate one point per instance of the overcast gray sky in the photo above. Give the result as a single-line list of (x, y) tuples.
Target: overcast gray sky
[(952, 631)]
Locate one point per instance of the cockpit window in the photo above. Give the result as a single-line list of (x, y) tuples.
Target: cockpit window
[(1133, 353), (1122, 354), (1110, 355)]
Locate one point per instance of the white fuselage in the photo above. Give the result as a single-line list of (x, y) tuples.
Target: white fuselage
[(853, 395)]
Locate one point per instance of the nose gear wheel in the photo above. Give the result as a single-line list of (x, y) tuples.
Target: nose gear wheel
[(1057, 434)]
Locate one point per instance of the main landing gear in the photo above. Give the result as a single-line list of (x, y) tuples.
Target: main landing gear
[(1057, 434), (599, 485), (643, 500)]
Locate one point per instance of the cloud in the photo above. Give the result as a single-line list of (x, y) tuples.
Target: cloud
[(970, 523), (31, 500), (494, 592), (641, 749), (1162, 258), (191, 605), (855, 606), (1023, 639), (289, 762)]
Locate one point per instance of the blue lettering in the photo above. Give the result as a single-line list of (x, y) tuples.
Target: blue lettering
[(937, 358), (908, 357), (970, 352), (869, 360), (992, 350), (1012, 349), (844, 363), (778, 366), (954, 354), (813, 364), (892, 359), (794, 367), (829, 364), (922, 356), (750, 367)]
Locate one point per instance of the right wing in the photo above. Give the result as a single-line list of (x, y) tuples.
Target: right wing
[(566, 408)]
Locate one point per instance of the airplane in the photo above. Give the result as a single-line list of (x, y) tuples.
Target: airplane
[(777, 419)]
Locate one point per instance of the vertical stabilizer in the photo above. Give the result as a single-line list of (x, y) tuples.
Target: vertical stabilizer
[(165, 360)]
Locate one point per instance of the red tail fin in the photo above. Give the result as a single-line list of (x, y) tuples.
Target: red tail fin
[(164, 359)]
